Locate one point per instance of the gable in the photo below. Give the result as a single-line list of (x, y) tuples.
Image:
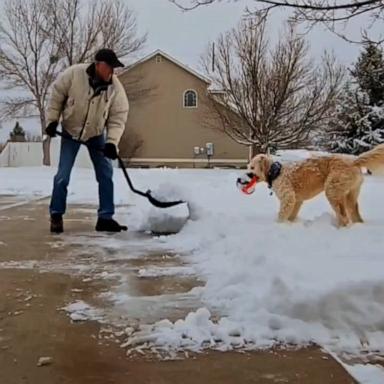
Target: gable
[(155, 56)]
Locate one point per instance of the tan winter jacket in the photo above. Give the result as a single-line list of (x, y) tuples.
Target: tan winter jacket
[(83, 114)]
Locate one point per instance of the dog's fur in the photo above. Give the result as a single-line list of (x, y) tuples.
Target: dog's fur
[(339, 176)]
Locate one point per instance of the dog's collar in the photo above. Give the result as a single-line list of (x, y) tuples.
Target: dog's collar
[(273, 173)]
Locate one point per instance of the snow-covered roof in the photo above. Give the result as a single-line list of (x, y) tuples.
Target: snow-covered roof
[(173, 60)]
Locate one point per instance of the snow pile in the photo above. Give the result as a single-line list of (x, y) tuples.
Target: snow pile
[(276, 285), (196, 331), (269, 283), (165, 221), (165, 271), (81, 311)]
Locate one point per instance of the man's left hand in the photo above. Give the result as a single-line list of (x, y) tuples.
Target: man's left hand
[(110, 151)]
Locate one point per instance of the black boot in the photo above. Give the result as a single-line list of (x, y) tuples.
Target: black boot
[(57, 225), (109, 225)]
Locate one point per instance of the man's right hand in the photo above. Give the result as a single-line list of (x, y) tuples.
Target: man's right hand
[(51, 129)]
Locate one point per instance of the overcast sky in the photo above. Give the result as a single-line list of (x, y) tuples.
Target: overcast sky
[(186, 34)]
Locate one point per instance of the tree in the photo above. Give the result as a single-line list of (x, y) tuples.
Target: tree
[(368, 73), (106, 24), (272, 95), (359, 123), (39, 38), (331, 13), (28, 43), (322, 10), (130, 145)]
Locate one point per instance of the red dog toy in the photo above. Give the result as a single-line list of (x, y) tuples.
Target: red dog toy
[(247, 183)]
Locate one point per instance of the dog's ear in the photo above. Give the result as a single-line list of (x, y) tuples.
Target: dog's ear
[(264, 164)]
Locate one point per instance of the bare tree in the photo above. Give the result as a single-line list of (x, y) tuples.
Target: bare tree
[(333, 14), (140, 89), (29, 46), (130, 145), (39, 38), (102, 23), (327, 9), (272, 96)]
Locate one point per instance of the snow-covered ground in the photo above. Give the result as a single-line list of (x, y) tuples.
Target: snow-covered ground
[(265, 283)]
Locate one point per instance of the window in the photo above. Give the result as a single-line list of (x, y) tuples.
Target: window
[(190, 99), (159, 59)]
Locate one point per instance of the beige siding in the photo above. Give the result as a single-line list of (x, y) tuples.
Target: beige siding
[(169, 131)]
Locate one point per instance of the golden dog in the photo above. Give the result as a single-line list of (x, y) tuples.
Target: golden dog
[(339, 176)]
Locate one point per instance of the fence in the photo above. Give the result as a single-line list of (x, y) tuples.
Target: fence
[(31, 155)]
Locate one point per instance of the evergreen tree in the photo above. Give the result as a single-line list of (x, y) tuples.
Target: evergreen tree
[(17, 133), (359, 121), (368, 73)]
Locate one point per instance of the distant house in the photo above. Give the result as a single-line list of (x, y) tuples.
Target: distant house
[(166, 125)]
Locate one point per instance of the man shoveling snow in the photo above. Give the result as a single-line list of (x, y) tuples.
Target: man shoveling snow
[(88, 98)]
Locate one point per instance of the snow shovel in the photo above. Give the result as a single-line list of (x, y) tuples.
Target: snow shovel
[(148, 194)]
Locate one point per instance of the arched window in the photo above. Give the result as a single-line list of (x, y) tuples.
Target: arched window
[(190, 99)]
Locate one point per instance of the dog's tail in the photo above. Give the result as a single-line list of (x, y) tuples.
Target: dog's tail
[(373, 159)]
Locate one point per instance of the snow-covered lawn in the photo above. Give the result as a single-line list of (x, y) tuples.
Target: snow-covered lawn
[(266, 283)]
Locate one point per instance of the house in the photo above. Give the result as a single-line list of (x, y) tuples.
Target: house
[(166, 124)]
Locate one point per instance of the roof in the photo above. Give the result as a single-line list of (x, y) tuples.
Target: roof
[(173, 60)]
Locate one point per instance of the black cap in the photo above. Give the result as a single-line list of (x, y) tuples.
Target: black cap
[(109, 57)]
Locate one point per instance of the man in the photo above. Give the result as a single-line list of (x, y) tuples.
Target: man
[(88, 98)]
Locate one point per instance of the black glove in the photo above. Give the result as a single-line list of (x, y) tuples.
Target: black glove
[(51, 129), (110, 151)]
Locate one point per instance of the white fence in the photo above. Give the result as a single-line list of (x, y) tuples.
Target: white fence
[(31, 155), (4, 157)]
